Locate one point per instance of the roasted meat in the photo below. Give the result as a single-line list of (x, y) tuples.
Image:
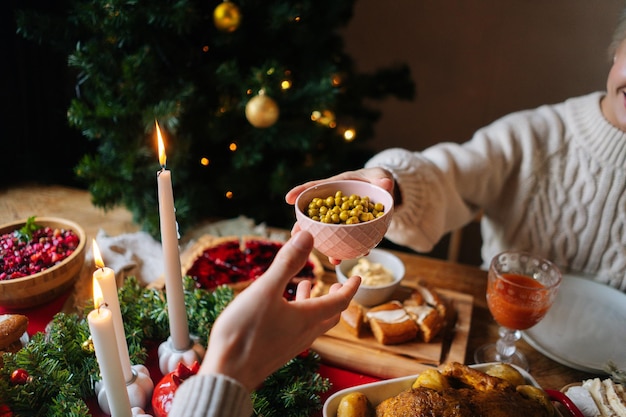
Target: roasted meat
[(464, 402), (470, 393)]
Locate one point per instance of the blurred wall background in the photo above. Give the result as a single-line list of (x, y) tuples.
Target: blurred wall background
[(474, 61)]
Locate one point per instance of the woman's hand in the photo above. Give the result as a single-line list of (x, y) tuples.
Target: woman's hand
[(260, 331), (376, 176)]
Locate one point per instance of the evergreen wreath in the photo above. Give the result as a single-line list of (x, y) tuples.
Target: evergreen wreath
[(62, 366)]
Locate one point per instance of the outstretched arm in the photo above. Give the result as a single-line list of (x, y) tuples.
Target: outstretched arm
[(260, 330)]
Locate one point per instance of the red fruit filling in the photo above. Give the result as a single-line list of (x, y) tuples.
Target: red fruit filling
[(46, 248), (226, 263)]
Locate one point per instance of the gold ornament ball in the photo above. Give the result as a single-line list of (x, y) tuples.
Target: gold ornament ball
[(227, 16), (88, 346), (262, 111)]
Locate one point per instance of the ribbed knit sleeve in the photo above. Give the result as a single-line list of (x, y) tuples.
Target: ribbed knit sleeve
[(431, 204), (211, 396), (550, 180)]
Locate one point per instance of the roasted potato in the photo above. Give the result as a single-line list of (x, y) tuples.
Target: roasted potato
[(355, 404), (537, 394), (433, 379), (506, 372)]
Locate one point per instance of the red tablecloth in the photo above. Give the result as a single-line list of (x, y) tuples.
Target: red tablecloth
[(40, 316)]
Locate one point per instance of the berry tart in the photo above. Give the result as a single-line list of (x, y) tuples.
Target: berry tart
[(237, 261)]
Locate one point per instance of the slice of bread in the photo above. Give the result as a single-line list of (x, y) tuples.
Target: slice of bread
[(391, 324), (12, 327), (353, 319), (607, 395), (431, 298), (428, 320)]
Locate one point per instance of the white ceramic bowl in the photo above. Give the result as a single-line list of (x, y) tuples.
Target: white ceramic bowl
[(345, 241), (369, 296)]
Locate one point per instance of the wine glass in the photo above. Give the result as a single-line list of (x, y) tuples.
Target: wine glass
[(521, 288)]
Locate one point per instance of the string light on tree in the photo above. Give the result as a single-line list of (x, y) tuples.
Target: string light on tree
[(336, 80), (262, 111), (227, 17), (286, 83), (349, 134), (325, 118)]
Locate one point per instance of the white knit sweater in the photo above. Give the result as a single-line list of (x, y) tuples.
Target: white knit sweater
[(211, 396), (550, 181)]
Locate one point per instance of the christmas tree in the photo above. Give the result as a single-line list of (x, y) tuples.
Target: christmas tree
[(253, 97)]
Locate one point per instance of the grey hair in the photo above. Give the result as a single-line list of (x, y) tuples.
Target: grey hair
[(619, 34)]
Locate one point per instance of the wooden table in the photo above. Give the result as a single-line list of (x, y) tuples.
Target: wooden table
[(21, 202)]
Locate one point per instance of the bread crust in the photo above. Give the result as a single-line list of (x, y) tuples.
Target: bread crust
[(431, 298), (12, 327), (394, 328), (428, 320), (353, 319)]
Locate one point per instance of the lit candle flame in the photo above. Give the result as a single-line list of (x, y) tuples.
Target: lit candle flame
[(98, 298), (162, 156), (97, 257)]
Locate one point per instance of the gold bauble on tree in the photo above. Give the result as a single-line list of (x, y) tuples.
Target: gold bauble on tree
[(227, 16), (262, 111)]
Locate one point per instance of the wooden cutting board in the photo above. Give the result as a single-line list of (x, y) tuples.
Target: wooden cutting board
[(365, 355)]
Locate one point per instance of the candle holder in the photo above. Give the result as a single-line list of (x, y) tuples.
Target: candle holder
[(139, 389), (139, 412), (169, 356)]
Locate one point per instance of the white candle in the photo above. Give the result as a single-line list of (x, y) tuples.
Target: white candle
[(179, 327), (108, 287), (103, 336)]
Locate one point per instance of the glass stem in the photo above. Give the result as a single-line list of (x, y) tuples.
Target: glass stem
[(506, 343)]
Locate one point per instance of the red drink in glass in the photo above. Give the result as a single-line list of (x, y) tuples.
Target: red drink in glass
[(521, 288), (517, 301)]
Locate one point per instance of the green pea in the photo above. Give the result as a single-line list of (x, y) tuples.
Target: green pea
[(342, 209)]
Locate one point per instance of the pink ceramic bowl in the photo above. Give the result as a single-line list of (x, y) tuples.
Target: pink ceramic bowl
[(345, 241)]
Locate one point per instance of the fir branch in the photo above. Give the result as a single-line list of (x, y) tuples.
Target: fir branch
[(295, 388), (58, 366), (63, 367)]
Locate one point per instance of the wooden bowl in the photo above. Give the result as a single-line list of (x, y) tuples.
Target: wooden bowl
[(39, 288)]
